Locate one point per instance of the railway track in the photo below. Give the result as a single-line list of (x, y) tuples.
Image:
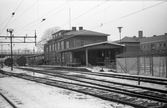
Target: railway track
[(139, 79), (104, 91), (81, 77), (5, 102)]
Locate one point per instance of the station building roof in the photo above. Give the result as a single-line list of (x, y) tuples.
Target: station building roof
[(85, 33)]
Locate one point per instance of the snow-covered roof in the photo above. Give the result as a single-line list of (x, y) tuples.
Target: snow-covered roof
[(85, 33)]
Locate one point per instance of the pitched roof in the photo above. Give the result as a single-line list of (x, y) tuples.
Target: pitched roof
[(128, 39), (153, 39), (94, 44), (144, 39), (85, 33)]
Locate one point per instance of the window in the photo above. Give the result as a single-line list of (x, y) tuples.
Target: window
[(62, 45), (152, 46), (164, 44), (67, 44), (46, 49), (62, 57), (99, 41), (50, 48), (157, 45), (55, 47), (160, 45), (58, 46), (148, 46), (82, 43), (60, 34)]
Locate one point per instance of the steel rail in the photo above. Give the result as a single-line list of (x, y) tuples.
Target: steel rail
[(137, 86), (8, 100), (129, 77), (116, 74)]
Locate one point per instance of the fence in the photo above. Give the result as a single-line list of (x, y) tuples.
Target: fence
[(150, 64)]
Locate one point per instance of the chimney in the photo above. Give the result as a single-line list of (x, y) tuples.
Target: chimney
[(140, 34), (74, 28), (80, 28)]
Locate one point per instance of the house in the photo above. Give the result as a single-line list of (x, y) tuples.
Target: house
[(154, 43), (142, 45)]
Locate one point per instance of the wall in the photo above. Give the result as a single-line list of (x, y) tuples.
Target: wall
[(88, 39)]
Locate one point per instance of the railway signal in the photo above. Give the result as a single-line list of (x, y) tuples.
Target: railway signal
[(11, 42)]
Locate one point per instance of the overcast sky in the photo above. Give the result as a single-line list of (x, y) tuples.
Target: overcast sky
[(96, 15)]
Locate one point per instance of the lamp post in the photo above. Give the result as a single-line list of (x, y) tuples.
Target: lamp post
[(120, 28), (11, 31)]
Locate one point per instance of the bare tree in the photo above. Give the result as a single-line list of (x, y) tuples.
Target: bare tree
[(45, 37)]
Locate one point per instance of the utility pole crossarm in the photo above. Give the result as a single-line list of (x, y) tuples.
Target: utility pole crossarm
[(18, 37), (19, 42)]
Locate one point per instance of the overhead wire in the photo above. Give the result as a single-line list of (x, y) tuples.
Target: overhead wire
[(99, 12), (124, 16), (135, 12), (85, 13), (24, 12), (13, 13), (5, 20), (57, 13), (19, 5), (39, 18), (6, 24)]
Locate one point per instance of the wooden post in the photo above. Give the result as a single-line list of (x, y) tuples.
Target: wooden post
[(150, 65), (144, 65), (86, 54), (166, 66), (61, 58), (138, 69), (152, 70)]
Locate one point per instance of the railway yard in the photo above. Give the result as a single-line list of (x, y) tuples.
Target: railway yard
[(69, 88)]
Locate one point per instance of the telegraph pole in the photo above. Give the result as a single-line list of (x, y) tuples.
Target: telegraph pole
[(11, 31), (11, 42)]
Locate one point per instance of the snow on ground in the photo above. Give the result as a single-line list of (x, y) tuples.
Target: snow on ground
[(97, 69), (4, 103), (28, 94)]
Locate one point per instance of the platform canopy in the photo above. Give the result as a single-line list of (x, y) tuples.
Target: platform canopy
[(94, 46)]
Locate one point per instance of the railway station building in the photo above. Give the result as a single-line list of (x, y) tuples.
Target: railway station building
[(80, 48)]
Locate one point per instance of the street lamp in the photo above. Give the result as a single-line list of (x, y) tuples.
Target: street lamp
[(120, 28)]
